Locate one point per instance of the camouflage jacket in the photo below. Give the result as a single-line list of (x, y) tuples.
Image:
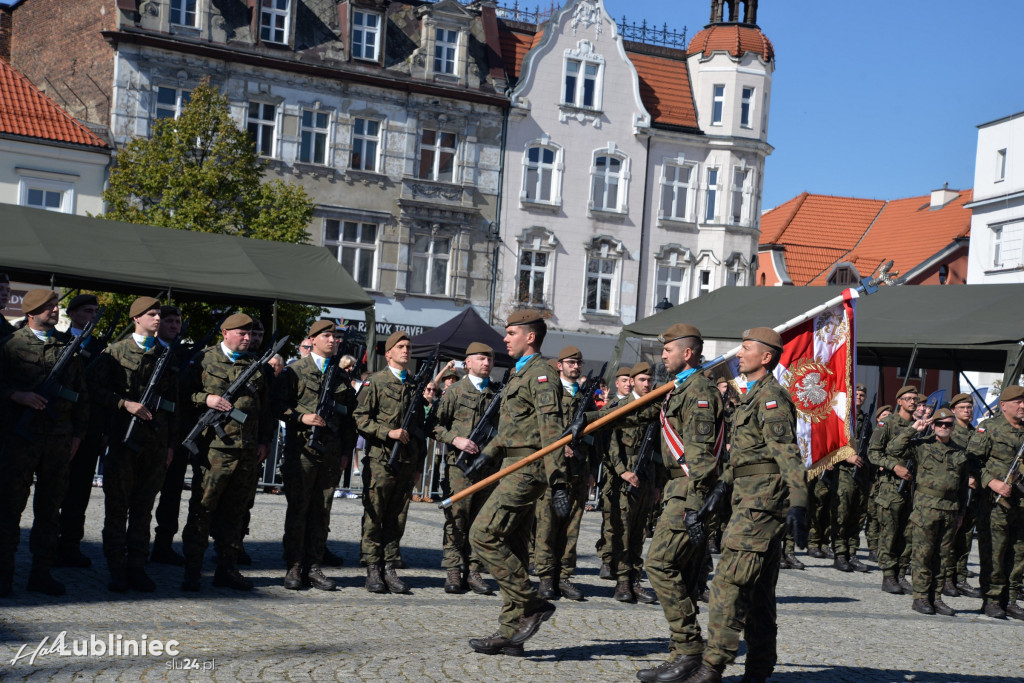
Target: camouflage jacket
[(764, 433), (962, 435), (458, 411), (121, 373), (296, 392), (380, 407), (213, 374), (940, 469), (878, 449), (994, 446), (585, 458), (627, 436), (531, 417), (863, 431), (25, 361), (695, 411)]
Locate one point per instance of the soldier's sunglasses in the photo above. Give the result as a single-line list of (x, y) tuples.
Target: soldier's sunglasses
[(947, 425)]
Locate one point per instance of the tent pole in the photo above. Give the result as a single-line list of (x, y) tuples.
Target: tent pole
[(273, 317), (371, 338), (910, 367), (613, 363)]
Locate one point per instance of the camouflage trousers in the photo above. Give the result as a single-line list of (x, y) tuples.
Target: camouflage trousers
[(309, 482), (603, 545), (218, 501), (932, 542), (894, 536), (819, 516), (456, 551), (386, 496), (955, 564), (846, 507), (743, 593), (76, 500), (628, 515), (871, 525), (131, 481), (46, 459), (554, 551), (672, 563), (169, 505), (1007, 553), (499, 538)]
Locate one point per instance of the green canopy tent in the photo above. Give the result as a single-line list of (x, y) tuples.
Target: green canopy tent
[(66, 250), (953, 327)]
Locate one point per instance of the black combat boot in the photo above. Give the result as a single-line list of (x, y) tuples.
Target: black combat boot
[(496, 645), (842, 564), (680, 669), (546, 588), (529, 623), (792, 562), (992, 609), (1014, 610), (40, 581), (967, 590), (606, 572), (624, 591), (942, 608), (891, 585), (138, 580), (569, 590), (950, 590), (477, 584), (922, 605), (230, 577), (642, 594), (395, 584), (857, 565), (816, 552), (904, 583), (705, 674), (164, 553), (652, 674), (315, 577), (453, 581), (374, 582), (293, 579), (829, 553), (118, 579)]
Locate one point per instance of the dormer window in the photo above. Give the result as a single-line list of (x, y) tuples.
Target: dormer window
[(183, 12), (446, 48), (365, 35), (275, 17)]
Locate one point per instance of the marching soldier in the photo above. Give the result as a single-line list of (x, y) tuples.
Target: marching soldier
[(623, 389), (133, 470), (846, 500), (220, 493), (382, 403), (955, 581), (460, 408), (41, 449), (941, 467), (768, 477), (892, 506), (312, 467), (691, 443)]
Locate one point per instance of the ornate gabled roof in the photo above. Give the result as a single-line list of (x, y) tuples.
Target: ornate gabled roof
[(736, 39)]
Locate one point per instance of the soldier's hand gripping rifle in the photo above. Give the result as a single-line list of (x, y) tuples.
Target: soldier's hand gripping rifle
[(909, 465), (52, 387), (483, 430), (216, 419), (1013, 478), (150, 398), (326, 405), (422, 379), (648, 446), (579, 418)]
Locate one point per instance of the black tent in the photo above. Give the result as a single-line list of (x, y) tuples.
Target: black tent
[(458, 333)]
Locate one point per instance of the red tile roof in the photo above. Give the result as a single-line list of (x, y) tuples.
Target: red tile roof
[(665, 89), (514, 46), (26, 111), (736, 39)]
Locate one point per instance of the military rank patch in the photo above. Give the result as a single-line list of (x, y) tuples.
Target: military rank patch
[(542, 378), (702, 404), (779, 429), (771, 405)]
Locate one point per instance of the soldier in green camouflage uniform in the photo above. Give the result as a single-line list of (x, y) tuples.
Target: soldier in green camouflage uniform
[(623, 389), (954, 582), (893, 507), (692, 440), (941, 468), (461, 407), (768, 477), (382, 404), (871, 525), (995, 446), (133, 472), (54, 433), (846, 500), (311, 471), (530, 418), (221, 492)]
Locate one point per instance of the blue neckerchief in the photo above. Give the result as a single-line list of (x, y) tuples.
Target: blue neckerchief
[(750, 385), (236, 355), (403, 375), (521, 363), (484, 382), (575, 387), (144, 343), (681, 377)]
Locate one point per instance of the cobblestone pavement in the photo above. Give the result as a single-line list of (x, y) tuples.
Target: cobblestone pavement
[(832, 626)]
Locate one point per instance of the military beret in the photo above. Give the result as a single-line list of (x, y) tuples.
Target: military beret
[(35, 299), (170, 310), (570, 352), (764, 335), (450, 372), (524, 316), (960, 398), (641, 368), (394, 339), (943, 414), (321, 326), (478, 348), (237, 321), (141, 305), (921, 398), (679, 331), (82, 300), (861, 387), (1012, 393), (882, 409), (906, 390)]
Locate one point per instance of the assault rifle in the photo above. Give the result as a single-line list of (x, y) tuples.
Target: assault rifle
[(484, 428), (150, 399), (421, 380), (1013, 478), (326, 405), (216, 419), (909, 464), (52, 387), (648, 446), (587, 391)]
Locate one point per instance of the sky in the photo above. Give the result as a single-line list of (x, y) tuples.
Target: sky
[(878, 99)]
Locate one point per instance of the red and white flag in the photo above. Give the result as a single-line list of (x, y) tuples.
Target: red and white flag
[(817, 366)]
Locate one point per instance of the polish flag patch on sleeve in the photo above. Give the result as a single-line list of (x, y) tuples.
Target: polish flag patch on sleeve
[(981, 429), (542, 378), (771, 405), (702, 404)]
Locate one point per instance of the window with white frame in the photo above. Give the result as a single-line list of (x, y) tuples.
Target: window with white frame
[(275, 15), (313, 136), (670, 283), (533, 276), (430, 257), (1008, 245), (261, 123), (540, 174), (703, 282), (746, 104), (183, 12), (675, 191), (365, 144), (446, 47), (437, 155), (735, 273), (365, 35), (582, 83), (1000, 165), (49, 195), (717, 104), (170, 101), (711, 196), (606, 183), (355, 246), (601, 277), (739, 187)]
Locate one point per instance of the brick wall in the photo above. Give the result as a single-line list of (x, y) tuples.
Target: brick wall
[(58, 46), (5, 33)]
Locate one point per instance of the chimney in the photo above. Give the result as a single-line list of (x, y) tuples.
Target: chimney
[(943, 196), (5, 34)]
